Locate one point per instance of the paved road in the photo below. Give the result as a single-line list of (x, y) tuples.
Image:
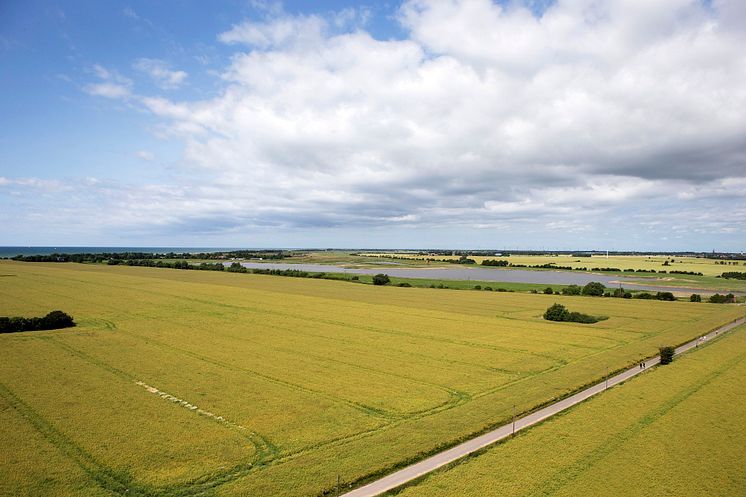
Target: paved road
[(434, 462)]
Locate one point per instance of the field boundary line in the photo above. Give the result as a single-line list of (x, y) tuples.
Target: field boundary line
[(443, 458)]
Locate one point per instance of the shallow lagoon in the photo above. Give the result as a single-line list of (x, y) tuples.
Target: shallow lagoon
[(477, 274)]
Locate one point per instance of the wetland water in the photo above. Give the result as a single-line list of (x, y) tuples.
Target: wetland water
[(477, 274)]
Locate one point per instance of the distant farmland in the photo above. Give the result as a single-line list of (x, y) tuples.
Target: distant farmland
[(185, 383), (677, 430)]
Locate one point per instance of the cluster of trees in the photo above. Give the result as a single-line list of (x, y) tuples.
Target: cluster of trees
[(204, 266), (381, 279), (114, 258), (734, 275), (596, 289), (52, 321), (548, 265), (495, 263), (656, 296), (592, 289), (296, 273), (722, 299), (714, 299), (558, 312)]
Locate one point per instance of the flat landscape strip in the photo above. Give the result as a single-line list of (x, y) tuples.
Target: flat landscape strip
[(439, 460)]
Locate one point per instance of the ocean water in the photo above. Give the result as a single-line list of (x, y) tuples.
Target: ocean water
[(13, 251)]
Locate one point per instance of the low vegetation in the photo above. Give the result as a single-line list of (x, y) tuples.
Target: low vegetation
[(722, 299), (381, 279), (558, 312), (734, 275), (53, 321), (656, 296), (137, 258)]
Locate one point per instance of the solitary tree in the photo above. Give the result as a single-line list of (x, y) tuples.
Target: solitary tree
[(381, 279), (666, 354), (556, 312), (594, 289)]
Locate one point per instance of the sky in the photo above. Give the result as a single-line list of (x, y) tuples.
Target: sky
[(520, 124)]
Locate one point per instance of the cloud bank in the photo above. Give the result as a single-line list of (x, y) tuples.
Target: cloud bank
[(484, 117)]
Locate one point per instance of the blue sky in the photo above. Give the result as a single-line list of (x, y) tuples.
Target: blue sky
[(615, 124)]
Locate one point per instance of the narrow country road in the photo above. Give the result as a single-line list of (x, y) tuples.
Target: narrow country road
[(438, 460)]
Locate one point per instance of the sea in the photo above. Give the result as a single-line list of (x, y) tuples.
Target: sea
[(13, 251)]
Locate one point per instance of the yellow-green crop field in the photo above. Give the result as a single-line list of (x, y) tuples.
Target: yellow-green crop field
[(178, 383), (708, 267), (677, 430)]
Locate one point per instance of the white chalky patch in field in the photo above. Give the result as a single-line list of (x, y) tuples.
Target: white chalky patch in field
[(191, 407)]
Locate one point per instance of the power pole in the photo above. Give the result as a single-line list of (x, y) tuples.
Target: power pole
[(513, 421), (607, 378)]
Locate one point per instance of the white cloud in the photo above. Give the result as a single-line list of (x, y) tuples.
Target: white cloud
[(301, 31), (111, 85), (161, 73), (108, 90), (485, 114), (145, 155)]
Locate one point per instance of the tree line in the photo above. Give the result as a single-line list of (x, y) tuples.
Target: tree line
[(52, 321), (122, 257)]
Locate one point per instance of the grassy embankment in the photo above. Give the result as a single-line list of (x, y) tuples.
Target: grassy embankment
[(677, 430), (294, 380)]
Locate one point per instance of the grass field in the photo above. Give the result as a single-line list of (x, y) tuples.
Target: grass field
[(677, 430), (201, 383)]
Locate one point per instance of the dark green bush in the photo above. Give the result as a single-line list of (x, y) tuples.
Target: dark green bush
[(722, 299), (52, 321), (594, 289), (498, 263), (665, 296), (695, 298), (548, 290), (558, 312), (734, 275), (572, 290), (381, 279), (667, 354)]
